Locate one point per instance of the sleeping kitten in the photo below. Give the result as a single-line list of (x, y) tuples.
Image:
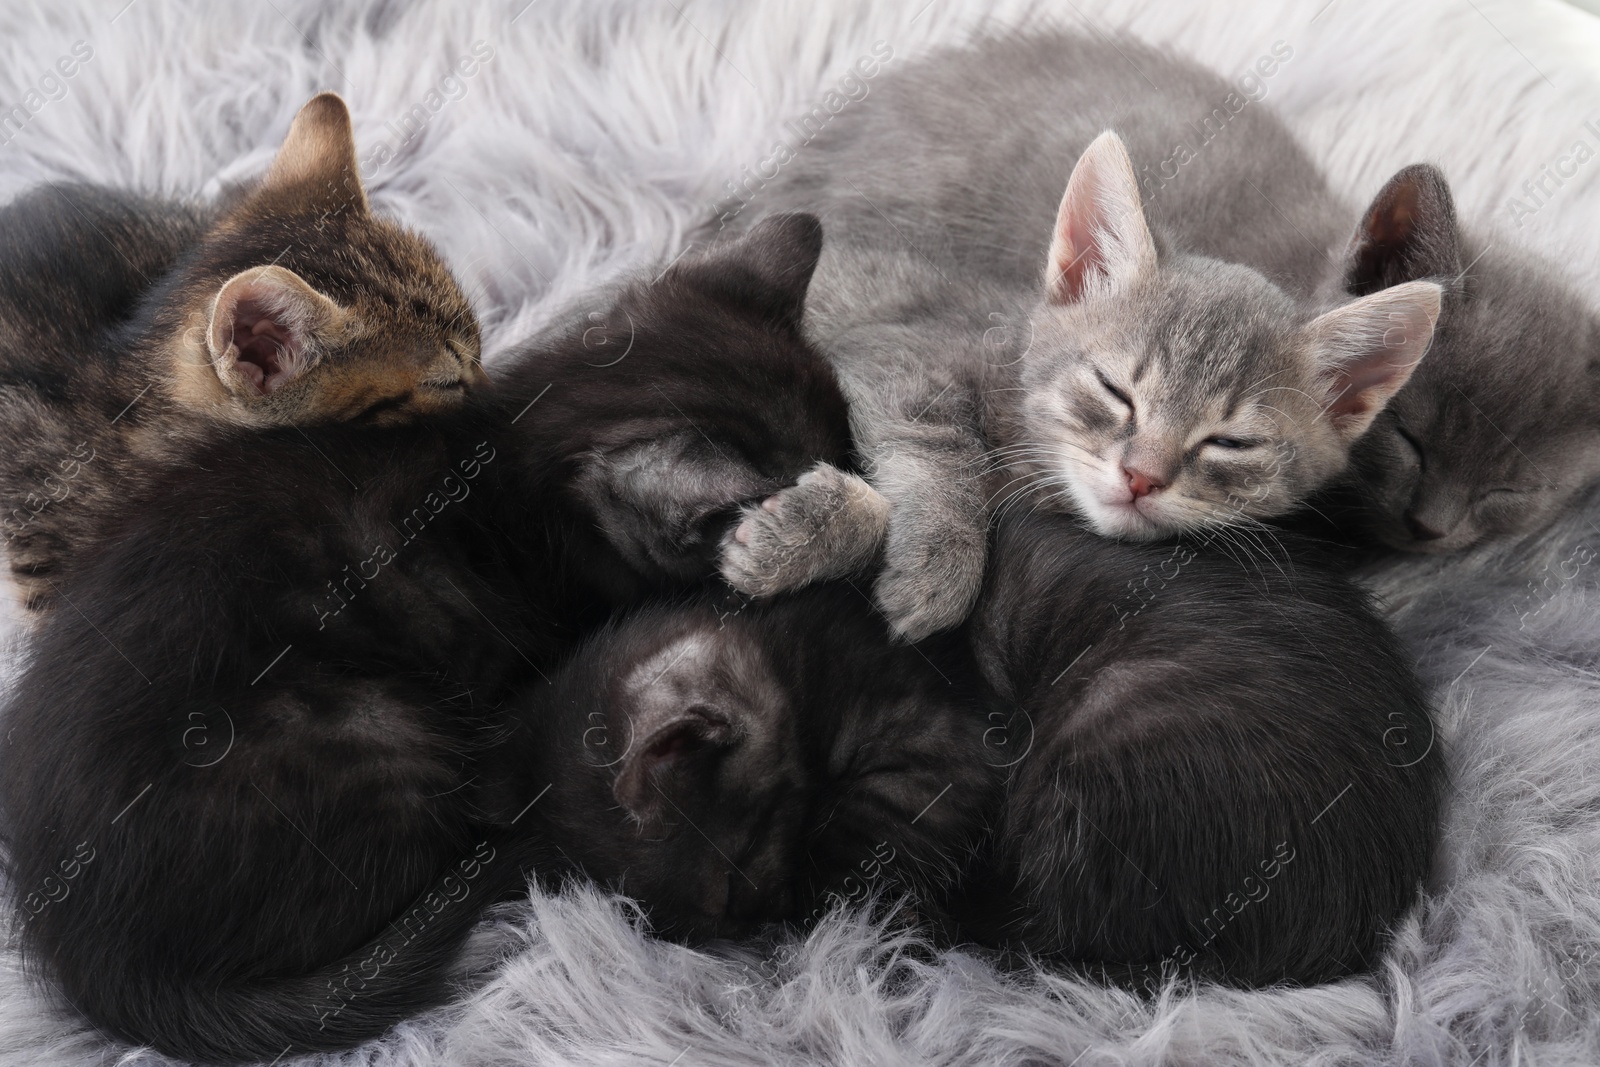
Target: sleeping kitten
[(731, 764), (239, 779), (122, 318), (1189, 765), (1107, 359), (1500, 428), (689, 397)]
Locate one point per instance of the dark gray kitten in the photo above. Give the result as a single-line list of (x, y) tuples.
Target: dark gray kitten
[(1187, 764), (1086, 352), (1499, 429), (731, 764)]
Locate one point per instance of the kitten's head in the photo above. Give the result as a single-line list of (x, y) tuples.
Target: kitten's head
[(1500, 426), (670, 749), (1170, 392), (691, 395), (301, 306)]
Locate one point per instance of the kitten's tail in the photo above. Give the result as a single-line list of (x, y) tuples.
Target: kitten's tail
[(403, 971)]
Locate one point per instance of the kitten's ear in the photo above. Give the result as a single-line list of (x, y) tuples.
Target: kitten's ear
[(1407, 234), (318, 159), (1101, 241), (770, 267), (267, 328), (1367, 349), (669, 742)]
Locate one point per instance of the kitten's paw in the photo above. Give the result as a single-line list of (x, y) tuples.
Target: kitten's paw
[(827, 525), (932, 574)]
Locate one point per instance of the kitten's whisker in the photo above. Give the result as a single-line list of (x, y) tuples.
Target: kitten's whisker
[(1010, 495), (1265, 377), (1044, 480), (1290, 418), (1246, 537), (1018, 452), (1049, 498), (1287, 389), (1038, 482)]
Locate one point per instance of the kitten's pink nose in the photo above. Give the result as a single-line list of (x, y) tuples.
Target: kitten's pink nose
[(1140, 483)]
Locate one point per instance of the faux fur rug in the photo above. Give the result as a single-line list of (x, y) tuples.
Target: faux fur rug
[(588, 138)]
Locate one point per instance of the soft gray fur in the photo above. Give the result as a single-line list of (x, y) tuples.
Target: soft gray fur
[(994, 346)]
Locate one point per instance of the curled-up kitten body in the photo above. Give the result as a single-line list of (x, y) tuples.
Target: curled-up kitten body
[(249, 747), (264, 717), (1231, 770), (731, 764), (122, 318), (1090, 352)]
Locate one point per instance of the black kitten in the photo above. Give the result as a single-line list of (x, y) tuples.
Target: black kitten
[(1208, 767), (1230, 767), (732, 763), (692, 395), (238, 784)]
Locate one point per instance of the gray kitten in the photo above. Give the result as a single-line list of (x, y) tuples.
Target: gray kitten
[(1500, 428), (1087, 352)]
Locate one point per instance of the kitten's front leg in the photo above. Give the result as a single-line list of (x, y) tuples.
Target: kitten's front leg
[(928, 522), (938, 526), (830, 524)]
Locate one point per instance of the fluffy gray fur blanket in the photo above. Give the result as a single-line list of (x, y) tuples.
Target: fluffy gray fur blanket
[(588, 139)]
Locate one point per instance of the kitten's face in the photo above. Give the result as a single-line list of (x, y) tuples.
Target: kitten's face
[(1185, 403), (1499, 429), (675, 776), (301, 306), (1159, 397)]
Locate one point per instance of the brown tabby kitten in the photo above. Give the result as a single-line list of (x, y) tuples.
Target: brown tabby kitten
[(123, 318)]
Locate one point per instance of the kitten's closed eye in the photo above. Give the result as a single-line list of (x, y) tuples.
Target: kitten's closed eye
[(1123, 398), (1231, 443), (384, 409), (1506, 495), (1410, 439)]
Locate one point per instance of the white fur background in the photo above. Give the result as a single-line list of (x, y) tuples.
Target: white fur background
[(592, 140)]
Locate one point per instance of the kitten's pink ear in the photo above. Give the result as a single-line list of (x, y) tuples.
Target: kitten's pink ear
[(672, 742), (1367, 349), (267, 328), (1101, 242), (317, 163)]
